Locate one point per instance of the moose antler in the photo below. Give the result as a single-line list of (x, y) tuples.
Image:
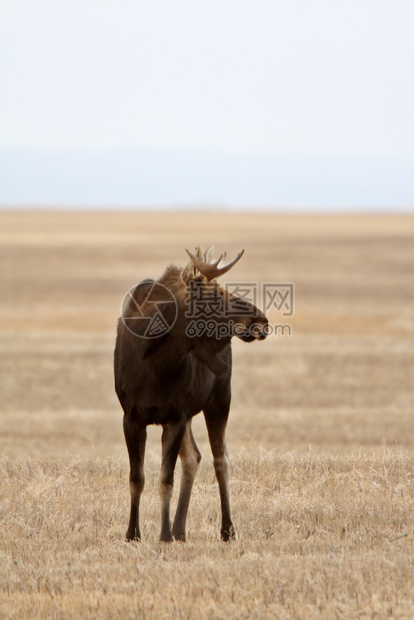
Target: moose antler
[(208, 268)]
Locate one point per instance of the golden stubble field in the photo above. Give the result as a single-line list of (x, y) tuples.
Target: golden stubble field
[(321, 432)]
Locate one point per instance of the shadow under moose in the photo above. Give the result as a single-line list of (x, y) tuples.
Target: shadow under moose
[(173, 360)]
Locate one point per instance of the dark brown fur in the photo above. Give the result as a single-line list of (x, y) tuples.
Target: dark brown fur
[(167, 381)]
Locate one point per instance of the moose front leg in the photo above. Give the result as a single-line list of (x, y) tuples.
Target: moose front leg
[(190, 458), (216, 428), (135, 437), (172, 437)]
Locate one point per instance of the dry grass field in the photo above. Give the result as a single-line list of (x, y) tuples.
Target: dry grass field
[(321, 431)]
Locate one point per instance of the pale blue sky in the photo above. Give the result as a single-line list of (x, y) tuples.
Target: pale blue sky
[(299, 83)]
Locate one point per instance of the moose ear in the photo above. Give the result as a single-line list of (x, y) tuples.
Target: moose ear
[(190, 272), (208, 254), (211, 353)]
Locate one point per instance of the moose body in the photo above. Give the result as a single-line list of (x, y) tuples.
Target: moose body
[(168, 379)]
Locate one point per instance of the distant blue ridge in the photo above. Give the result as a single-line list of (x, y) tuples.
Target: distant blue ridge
[(146, 178)]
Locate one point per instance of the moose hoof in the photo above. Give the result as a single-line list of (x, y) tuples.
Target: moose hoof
[(133, 535), (228, 534)]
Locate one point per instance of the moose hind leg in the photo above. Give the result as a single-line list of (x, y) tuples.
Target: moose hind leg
[(190, 458), (135, 437), (171, 441), (216, 428)]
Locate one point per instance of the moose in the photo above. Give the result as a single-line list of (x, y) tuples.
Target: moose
[(171, 361)]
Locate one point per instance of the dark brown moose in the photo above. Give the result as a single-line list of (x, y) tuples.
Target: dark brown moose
[(173, 360)]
